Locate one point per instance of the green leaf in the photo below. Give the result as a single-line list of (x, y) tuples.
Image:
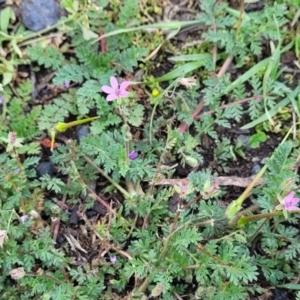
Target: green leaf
[(191, 57), (88, 34), (181, 71), (256, 139), (136, 115), (4, 18), (290, 286)]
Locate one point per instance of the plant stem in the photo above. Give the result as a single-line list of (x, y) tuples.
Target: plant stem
[(123, 191), (183, 126), (253, 236), (147, 281), (164, 251), (236, 205), (144, 285)]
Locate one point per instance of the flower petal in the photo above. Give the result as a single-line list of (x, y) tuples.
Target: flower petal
[(292, 208), (113, 259), (111, 97), (289, 196), (133, 154), (107, 89), (124, 85), (114, 83), (123, 94), (294, 201)]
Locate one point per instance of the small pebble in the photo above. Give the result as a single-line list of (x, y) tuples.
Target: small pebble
[(280, 294), (243, 139), (46, 167), (82, 131), (74, 218), (255, 169), (255, 159), (91, 213), (59, 241), (39, 14)]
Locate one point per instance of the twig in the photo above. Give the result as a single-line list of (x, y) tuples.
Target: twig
[(221, 180)]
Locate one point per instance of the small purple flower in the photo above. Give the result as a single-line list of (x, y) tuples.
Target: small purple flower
[(1, 100), (290, 202), (113, 259), (12, 137), (184, 188), (17, 171), (23, 218), (67, 84), (133, 154), (114, 91)]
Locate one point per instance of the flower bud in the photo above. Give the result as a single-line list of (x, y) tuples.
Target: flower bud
[(287, 184), (17, 274), (157, 290), (184, 188), (210, 190), (3, 237), (61, 127), (191, 161), (233, 208)]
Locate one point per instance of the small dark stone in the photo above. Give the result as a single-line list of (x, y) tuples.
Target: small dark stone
[(173, 202), (243, 139), (256, 6), (74, 218), (280, 294), (2, 3), (59, 241), (91, 213), (46, 167), (99, 208), (255, 169), (39, 14), (182, 171), (82, 131)]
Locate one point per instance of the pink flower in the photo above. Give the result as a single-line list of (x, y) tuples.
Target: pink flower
[(23, 218), (290, 202), (114, 91), (113, 259), (133, 154), (67, 84)]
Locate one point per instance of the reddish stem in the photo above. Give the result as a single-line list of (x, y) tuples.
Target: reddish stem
[(102, 44)]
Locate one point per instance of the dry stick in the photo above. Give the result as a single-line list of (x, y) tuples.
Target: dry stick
[(183, 126)]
